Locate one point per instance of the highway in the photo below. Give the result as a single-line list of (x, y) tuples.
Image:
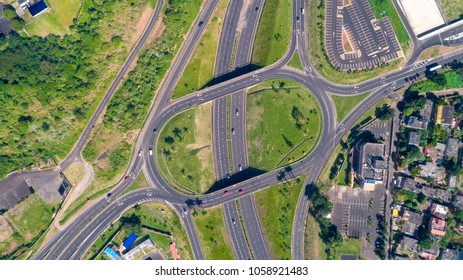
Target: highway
[(72, 242)]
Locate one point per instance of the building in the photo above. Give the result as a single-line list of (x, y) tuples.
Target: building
[(436, 153), (370, 164), (449, 254), (128, 242), (408, 245), (408, 184), (415, 122), (414, 138), (444, 115), (144, 247), (426, 112), (412, 222), (451, 148), (38, 8), (113, 255), (173, 250), (438, 194), (452, 181), (24, 4), (437, 226), (428, 170), (458, 202), (439, 211)]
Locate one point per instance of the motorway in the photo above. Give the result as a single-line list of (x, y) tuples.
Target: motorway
[(72, 242)]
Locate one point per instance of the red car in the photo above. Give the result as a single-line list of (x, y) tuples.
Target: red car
[(240, 191), (126, 178), (225, 192)]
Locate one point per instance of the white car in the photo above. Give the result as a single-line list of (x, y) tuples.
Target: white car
[(151, 152)]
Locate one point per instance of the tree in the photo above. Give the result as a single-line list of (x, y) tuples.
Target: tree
[(17, 24), (425, 239), (9, 12), (384, 113), (415, 170)]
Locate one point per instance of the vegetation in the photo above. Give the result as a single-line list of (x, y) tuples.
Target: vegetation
[(319, 57), (449, 79), (344, 105), (213, 235), (384, 113), (281, 130), (385, 8), (452, 9), (51, 86), (139, 183), (184, 150), (200, 68), (273, 33), (21, 226), (314, 248), (276, 207), (296, 62)]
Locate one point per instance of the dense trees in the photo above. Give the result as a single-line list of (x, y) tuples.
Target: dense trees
[(384, 113)]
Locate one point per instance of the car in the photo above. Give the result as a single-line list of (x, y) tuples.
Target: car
[(233, 221), (237, 112), (155, 130), (233, 131), (185, 211), (297, 18), (379, 231), (139, 153), (240, 191), (228, 175), (201, 23), (239, 166), (151, 152), (257, 8), (126, 178), (225, 192), (109, 195)]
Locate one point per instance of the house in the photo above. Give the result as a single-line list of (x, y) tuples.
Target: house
[(439, 211), (458, 202), (437, 226), (110, 253), (449, 254), (408, 184), (24, 4), (452, 181), (436, 153), (414, 138), (128, 242), (370, 164), (412, 222), (444, 115), (438, 194), (428, 170), (408, 244), (144, 247), (451, 148), (426, 112), (38, 8), (415, 122)]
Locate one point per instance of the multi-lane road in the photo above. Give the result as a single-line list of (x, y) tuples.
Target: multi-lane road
[(76, 238)]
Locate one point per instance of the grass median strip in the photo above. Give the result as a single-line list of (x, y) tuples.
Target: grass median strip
[(344, 105), (281, 115)]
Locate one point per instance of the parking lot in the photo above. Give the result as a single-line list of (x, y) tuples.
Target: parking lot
[(373, 41)]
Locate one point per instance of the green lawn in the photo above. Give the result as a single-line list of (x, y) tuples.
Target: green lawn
[(296, 62), (276, 207), (318, 55), (273, 33), (45, 24), (66, 10), (281, 115), (200, 68), (452, 9), (385, 8), (213, 235), (344, 105), (350, 246), (139, 183), (184, 147), (451, 80), (314, 248)]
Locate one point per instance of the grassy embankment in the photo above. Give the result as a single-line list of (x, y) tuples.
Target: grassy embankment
[(283, 122)]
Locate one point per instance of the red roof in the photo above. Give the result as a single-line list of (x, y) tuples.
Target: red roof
[(438, 226), (174, 251)]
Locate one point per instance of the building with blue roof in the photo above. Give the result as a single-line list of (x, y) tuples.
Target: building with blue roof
[(38, 8), (130, 240), (113, 255)]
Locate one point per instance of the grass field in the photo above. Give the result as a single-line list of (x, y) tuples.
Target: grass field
[(281, 115), (139, 183), (273, 32), (344, 105), (349, 246), (314, 248), (200, 68), (75, 173), (385, 8), (276, 207), (155, 216), (184, 146), (213, 235), (452, 9), (452, 80), (296, 62), (319, 57), (23, 224)]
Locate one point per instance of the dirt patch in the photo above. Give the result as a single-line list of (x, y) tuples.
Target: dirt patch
[(75, 172), (5, 230), (141, 24), (436, 51), (157, 31), (346, 43), (203, 127), (346, 3)]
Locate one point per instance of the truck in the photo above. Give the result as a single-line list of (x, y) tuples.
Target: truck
[(434, 67)]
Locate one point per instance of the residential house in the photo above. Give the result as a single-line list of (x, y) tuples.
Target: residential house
[(408, 245), (458, 202), (452, 181), (370, 164), (444, 115), (415, 122), (431, 253), (414, 138), (428, 170), (438, 194), (38, 8), (144, 247), (439, 211), (426, 112), (449, 254), (437, 226), (451, 148), (408, 184), (412, 222), (436, 153), (24, 4)]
